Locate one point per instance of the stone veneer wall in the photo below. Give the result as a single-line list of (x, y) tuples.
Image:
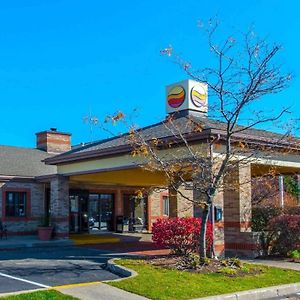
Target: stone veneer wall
[(24, 225), (60, 205)]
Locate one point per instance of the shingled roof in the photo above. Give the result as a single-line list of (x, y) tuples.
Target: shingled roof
[(120, 144), (24, 162)]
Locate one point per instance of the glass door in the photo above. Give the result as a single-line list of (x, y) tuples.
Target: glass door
[(78, 211), (106, 211), (101, 212), (94, 212)]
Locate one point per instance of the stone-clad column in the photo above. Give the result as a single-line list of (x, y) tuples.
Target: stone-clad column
[(239, 240), (59, 205)]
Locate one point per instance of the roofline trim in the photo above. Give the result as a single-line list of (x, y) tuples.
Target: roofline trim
[(7, 178), (191, 137)]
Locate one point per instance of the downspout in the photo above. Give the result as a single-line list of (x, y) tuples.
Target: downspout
[(281, 191)]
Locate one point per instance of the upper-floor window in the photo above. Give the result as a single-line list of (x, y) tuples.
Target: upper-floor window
[(166, 206), (15, 205)]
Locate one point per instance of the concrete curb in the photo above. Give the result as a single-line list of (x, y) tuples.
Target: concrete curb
[(119, 270), (257, 294)]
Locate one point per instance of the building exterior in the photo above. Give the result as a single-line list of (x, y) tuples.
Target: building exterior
[(88, 187), (22, 195)]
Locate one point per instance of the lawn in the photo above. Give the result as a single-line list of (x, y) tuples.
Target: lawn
[(40, 295), (165, 284)]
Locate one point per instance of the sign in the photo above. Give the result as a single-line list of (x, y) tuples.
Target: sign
[(187, 95)]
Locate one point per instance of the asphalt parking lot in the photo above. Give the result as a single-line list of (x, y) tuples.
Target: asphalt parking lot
[(36, 268)]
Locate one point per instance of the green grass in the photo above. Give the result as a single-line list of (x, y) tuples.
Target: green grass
[(40, 295), (163, 284)]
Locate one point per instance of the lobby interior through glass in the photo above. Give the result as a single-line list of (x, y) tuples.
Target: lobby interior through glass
[(95, 212)]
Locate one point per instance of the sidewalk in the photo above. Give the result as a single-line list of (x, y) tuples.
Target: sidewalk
[(275, 263), (99, 291), (17, 242)]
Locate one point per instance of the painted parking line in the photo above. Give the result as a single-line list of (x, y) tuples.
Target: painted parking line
[(24, 280)]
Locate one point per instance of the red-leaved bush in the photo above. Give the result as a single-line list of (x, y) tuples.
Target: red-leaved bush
[(181, 235), (285, 234)]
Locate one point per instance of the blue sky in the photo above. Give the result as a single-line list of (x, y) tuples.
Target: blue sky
[(62, 59)]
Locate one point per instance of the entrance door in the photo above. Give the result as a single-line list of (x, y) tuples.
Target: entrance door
[(101, 208), (78, 211)]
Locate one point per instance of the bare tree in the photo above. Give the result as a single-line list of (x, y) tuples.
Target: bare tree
[(244, 70)]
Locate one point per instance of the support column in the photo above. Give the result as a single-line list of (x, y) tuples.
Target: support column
[(59, 205), (119, 209), (239, 240), (118, 206)]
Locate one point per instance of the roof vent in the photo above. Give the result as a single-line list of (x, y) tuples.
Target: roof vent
[(53, 129)]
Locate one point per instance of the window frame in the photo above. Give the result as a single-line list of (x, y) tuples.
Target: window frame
[(164, 206), (27, 214)]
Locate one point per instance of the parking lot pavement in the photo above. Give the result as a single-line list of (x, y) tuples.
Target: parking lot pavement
[(29, 269)]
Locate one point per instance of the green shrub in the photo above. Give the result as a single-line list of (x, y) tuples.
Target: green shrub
[(228, 271), (295, 254), (232, 262), (285, 231), (190, 261), (262, 217), (245, 269)]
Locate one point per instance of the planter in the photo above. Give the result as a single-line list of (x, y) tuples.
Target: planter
[(45, 233)]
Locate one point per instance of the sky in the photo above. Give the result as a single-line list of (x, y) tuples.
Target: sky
[(62, 60)]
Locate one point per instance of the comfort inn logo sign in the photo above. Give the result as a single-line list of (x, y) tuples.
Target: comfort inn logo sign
[(187, 95)]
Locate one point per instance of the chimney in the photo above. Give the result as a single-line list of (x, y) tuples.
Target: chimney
[(53, 141), (187, 97)]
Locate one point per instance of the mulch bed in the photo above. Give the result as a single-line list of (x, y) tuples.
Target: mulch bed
[(214, 266)]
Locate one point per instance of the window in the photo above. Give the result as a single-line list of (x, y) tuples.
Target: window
[(166, 206), (15, 204)]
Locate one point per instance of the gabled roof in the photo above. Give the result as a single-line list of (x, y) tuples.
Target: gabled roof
[(24, 162), (120, 144)]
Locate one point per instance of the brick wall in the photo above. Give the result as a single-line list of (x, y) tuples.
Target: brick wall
[(239, 240), (24, 225), (179, 207), (155, 206), (53, 141)]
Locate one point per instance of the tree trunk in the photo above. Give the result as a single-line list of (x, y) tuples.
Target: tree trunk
[(202, 241)]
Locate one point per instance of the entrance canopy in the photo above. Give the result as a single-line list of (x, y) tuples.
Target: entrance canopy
[(128, 177), (261, 170)]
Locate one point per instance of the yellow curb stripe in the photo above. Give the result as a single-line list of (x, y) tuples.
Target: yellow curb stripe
[(87, 239), (75, 285)]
